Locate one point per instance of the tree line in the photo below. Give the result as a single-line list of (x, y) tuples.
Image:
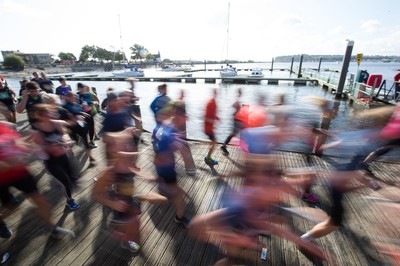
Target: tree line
[(88, 53), (96, 53)]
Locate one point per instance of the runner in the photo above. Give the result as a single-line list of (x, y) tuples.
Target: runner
[(50, 136), (115, 188), (30, 98), (8, 98), (14, 173), (164, 142), (90, 105), (71, 103), (117, 119), (249, 211), (237, 124), (350, 150), (63, 89), (134, 105), (209, 120), (179, 120), (160, 101), (46, 85)]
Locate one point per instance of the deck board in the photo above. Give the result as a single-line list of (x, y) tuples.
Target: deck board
[(166, 243)]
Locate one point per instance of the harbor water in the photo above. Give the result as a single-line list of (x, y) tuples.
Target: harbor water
[(197, 94)]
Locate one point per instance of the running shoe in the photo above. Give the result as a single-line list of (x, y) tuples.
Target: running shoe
[(5, 232), (224, 150), (374, 185), (130, 245), (72, 205), (15, 200), (92, 145), (310, 198), (4, 258), (60, 232), (210, 161), (183, 220)]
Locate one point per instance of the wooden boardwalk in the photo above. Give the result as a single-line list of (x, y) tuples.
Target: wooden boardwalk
[(164, 242)]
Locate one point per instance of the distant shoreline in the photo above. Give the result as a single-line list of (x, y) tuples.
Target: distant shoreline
[(27, 72)]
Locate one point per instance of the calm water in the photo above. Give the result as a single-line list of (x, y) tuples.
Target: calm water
[(197, 94)]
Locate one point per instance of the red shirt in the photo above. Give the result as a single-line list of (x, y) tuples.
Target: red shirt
[(7, 148), (210, 116)]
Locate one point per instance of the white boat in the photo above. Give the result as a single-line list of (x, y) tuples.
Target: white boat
[(132, 72), (228, 71), (256, 73), (172, 67)]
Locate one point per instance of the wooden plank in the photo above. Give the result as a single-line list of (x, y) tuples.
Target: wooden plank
[(166, 243)]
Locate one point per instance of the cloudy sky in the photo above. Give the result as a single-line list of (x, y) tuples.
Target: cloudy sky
[(197, 30)]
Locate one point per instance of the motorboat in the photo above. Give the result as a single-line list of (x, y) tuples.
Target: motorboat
[(173, 67), (256, 73), (228, 71), (132, 72)]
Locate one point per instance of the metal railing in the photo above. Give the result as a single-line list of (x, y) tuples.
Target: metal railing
[(330, 77)]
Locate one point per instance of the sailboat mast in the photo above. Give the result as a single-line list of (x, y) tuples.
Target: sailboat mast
[(227, 33), (120, 37)]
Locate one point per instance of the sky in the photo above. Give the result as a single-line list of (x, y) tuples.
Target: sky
[(199, 30)]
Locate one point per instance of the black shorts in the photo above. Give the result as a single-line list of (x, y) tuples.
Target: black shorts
[(337, 210), (211, 136), (26, 184), (237, 126), (167, 174)]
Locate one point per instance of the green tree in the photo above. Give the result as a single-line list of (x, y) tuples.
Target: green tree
[(119, 56), (150, 57), (66, 56), (14, 61), (103, 54), (138, 52), (87, 53)]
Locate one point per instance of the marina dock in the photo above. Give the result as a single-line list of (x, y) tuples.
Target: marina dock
[(163, 241), (188, 78)]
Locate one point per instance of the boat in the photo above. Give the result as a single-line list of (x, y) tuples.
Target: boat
[(256, 73), (228, 70), (131, 72), (173, 67)]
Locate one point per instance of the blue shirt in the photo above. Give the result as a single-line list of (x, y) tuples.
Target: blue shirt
[(258, 140), (159, 103), (163, 138), (63, 90), (74, 108), (116, 122)]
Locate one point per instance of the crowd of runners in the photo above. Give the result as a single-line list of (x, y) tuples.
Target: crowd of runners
[(62, 117)]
